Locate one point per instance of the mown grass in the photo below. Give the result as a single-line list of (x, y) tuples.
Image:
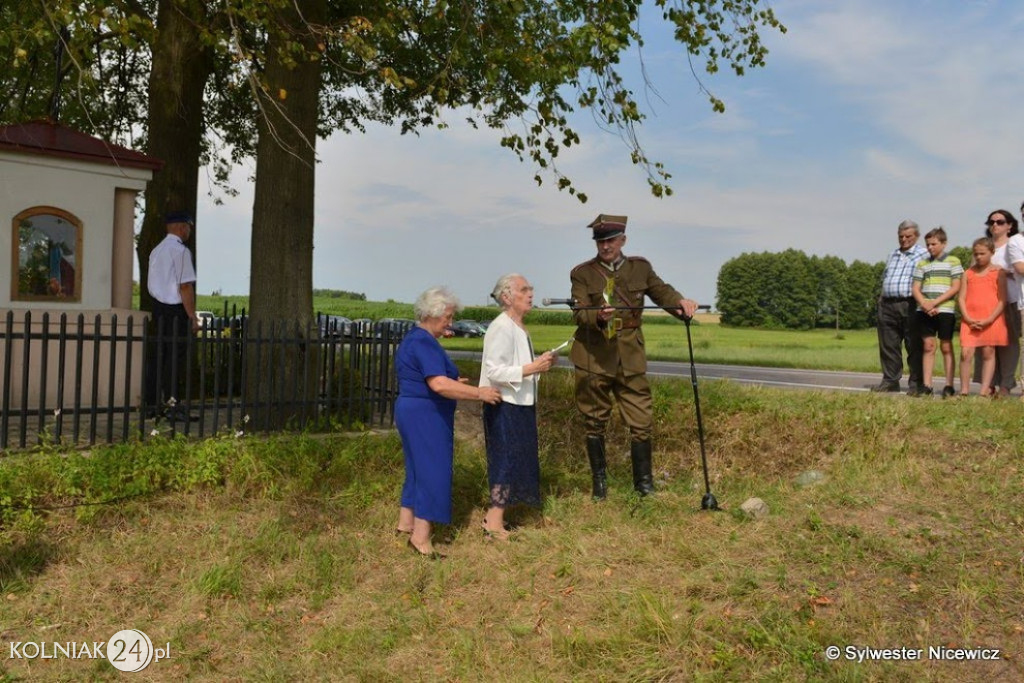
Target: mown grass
[(823, 349), (852, 350), (275, 559)]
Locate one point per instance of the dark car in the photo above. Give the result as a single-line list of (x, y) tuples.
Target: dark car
[(362, 327), (468, 328), (395, 328), (335, 325)]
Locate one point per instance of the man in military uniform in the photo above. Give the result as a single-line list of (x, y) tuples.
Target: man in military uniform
[(609, 349)]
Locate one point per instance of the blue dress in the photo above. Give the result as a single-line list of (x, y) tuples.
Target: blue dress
[(426, 423)]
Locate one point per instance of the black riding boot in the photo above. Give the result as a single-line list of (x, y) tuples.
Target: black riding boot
[(640, 453), (598, 467)]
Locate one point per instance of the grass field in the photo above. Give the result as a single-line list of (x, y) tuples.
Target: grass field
[(274, 560), (852, 350), (856, 350)]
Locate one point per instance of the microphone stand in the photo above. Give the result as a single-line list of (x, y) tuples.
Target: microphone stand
[(598, 307)]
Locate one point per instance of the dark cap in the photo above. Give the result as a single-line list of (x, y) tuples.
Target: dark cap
[(179, 217), (607, 226)]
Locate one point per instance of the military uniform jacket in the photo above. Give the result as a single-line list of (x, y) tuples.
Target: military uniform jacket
[(592, 350)]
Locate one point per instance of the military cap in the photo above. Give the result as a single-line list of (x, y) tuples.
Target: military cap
[(607, 226), (179, 217)]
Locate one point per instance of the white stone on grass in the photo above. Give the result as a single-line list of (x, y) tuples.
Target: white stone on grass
[(754, 508)]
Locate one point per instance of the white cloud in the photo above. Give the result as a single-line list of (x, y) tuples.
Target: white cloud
[(935, 75)]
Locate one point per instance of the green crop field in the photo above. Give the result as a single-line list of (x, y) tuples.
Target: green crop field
[(823, 349), (712, 343)]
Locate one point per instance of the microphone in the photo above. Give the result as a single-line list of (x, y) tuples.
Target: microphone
[(559, 302)]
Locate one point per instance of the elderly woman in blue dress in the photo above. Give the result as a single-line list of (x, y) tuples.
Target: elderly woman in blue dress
[(510, 426), (428, 388)]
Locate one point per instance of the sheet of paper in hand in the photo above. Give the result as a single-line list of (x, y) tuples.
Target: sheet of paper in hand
[(563, 345)]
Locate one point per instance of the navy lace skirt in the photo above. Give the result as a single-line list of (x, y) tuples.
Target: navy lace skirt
[(513, 469)]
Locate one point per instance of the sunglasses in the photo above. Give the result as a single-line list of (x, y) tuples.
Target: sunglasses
[(997, 221)]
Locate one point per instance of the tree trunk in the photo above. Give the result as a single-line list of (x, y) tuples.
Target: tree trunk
[(281, 277), (181, 67)]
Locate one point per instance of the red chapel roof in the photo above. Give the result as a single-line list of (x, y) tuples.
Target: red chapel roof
[(54, 140)]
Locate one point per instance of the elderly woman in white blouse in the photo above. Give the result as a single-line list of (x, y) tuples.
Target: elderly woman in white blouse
[(510, 427)]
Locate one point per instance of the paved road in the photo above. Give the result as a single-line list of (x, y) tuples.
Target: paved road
[(747, 374), (776, 377)]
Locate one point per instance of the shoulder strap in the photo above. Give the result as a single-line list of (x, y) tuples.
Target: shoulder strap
[(621, 293)]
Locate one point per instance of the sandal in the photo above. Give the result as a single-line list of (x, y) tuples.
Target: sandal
[(429, 555)]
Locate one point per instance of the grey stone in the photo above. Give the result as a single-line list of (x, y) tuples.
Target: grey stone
[(754, 508)]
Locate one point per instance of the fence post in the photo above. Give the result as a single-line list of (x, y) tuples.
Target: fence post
[(8, 344)]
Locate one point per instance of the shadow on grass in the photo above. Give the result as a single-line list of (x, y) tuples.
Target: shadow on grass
[(23, 560), (470, 495)]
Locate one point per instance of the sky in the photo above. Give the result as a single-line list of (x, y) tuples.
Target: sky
[(867, 112)]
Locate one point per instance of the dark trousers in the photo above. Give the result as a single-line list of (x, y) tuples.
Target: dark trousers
[(897, 328), (167, 353)]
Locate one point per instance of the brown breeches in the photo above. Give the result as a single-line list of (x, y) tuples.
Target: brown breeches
[(633, 394)]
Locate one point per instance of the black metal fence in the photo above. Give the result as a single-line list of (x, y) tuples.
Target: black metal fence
[(75, 381)]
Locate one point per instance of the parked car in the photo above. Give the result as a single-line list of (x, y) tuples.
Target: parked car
[(362, 327), (210, 323), (335, 325), (393, 327), (206, 319), (468, 328)]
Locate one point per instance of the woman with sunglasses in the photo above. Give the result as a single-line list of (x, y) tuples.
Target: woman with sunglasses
[(1001, 226)]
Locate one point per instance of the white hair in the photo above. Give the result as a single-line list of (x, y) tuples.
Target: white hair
[(504, 286), (908, 225), (434, 302)]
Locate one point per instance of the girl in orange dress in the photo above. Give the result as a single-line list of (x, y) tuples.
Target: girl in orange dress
[(981, 300)]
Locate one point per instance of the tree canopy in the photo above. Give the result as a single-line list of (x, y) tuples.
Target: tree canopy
[(202, 82), (521, 66), (791, 290)]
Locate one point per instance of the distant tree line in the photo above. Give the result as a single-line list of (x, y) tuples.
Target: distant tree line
[(791, 290), (339, 294)]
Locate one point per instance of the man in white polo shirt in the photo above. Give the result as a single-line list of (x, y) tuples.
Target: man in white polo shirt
[(172, 284)]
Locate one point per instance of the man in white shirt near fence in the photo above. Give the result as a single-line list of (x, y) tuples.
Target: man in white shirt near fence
[(172, 284)]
